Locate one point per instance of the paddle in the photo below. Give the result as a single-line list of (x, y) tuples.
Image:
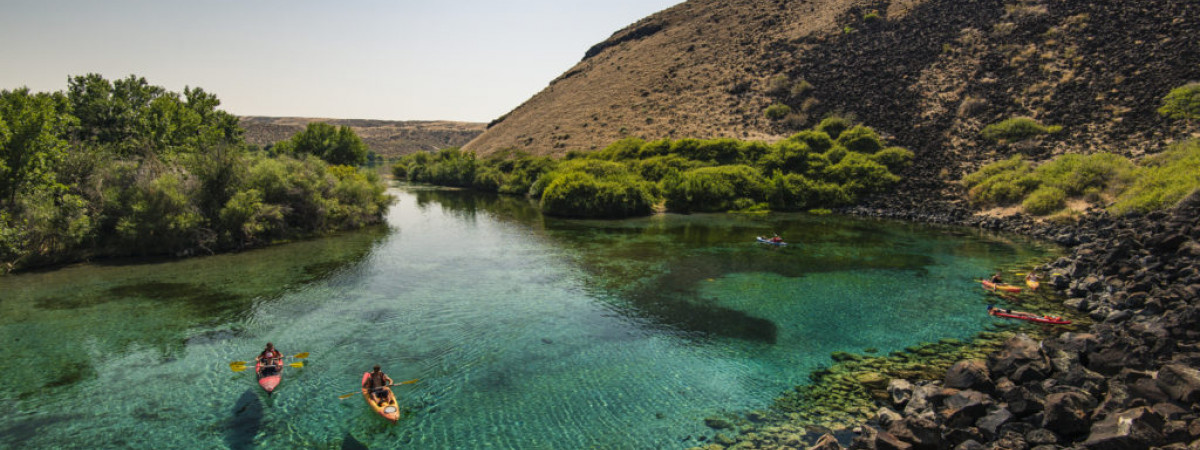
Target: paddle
[(343, 397), (241, 367), (301, 355)]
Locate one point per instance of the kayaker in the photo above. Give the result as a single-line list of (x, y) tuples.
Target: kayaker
[(376, 383), (1031, 277), (996, 278), (270, 358), (776, 238)]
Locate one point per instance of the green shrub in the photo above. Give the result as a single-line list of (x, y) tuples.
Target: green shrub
[(894, 158), (835, 154), (1017, 129), (793, 192), (709, 189), (818, 141), (860, 139), (777, 111), (1045, 200), (787, 156), (833, 126), (1079, 174), (657, 168), (1014, 164), (1182, 103), (859, 174), (579, 194), (1163, 180), (627, 148), (400, 171)]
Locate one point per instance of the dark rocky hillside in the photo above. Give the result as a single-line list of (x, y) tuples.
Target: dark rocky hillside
[(385, 137)]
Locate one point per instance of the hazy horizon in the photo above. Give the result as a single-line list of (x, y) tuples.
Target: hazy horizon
[(467, 61)]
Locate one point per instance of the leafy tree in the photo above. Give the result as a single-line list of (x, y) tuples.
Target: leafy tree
[(30, 142), (335, 145)]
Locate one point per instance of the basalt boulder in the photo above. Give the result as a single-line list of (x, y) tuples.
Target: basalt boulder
[(1137, 428), (969, 374), (1067, 413), (1182, 383)]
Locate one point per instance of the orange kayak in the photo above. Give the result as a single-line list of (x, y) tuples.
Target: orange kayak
[(1001, 287), (270, 380), (389, 410)]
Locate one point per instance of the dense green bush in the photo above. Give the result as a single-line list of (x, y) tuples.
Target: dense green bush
[(1001, 183), (859, 175), (1182, 103), (1159, 181), (335, 145), (713, 188), (833, 126), (1163, 180), (1045, 200), (808, 170), (1017, 129), (860, 139), (657, 168), (1078, 175), (894, 158), (580, 194), (818, 141)]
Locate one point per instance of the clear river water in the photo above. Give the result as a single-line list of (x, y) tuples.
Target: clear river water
[(524, 331)]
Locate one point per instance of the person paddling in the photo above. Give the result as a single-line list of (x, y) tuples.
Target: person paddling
[(996, 278), (270, 358), (377, 384), (776, 238)]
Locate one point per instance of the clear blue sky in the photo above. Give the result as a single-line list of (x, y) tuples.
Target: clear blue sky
[(471, 60)]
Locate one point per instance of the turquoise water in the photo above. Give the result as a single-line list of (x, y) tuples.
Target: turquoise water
[(525, 332)]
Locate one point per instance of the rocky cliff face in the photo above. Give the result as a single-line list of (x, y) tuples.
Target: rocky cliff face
[(929, 73)]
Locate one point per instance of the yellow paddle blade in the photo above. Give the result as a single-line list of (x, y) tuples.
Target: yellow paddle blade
[(300, 355), (414, 380), (236, 368), (343, 397), (238, 363), (296, 364)]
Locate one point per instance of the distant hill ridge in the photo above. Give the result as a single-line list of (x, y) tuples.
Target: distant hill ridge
[(385, 137), (928, 73)]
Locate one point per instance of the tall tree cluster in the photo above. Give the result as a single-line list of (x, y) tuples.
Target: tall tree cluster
[(127, 168)]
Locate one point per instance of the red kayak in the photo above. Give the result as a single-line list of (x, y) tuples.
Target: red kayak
[(1051, 320), (1002, 287), (271, 379)]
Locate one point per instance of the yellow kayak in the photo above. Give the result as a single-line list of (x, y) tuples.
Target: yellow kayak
[(389, 410)]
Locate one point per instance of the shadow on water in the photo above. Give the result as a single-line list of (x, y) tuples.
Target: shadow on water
[(350, 443), (245, 423)]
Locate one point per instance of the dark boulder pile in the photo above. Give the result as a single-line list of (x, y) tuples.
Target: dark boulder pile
[(1131, 382)]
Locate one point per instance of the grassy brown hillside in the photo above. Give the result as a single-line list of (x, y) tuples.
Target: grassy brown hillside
[(929, 73), (387, 138)]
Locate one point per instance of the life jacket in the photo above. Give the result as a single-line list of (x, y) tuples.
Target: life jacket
[(377, 380)]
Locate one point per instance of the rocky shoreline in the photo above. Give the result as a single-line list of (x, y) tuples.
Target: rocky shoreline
[(1130, 382)]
